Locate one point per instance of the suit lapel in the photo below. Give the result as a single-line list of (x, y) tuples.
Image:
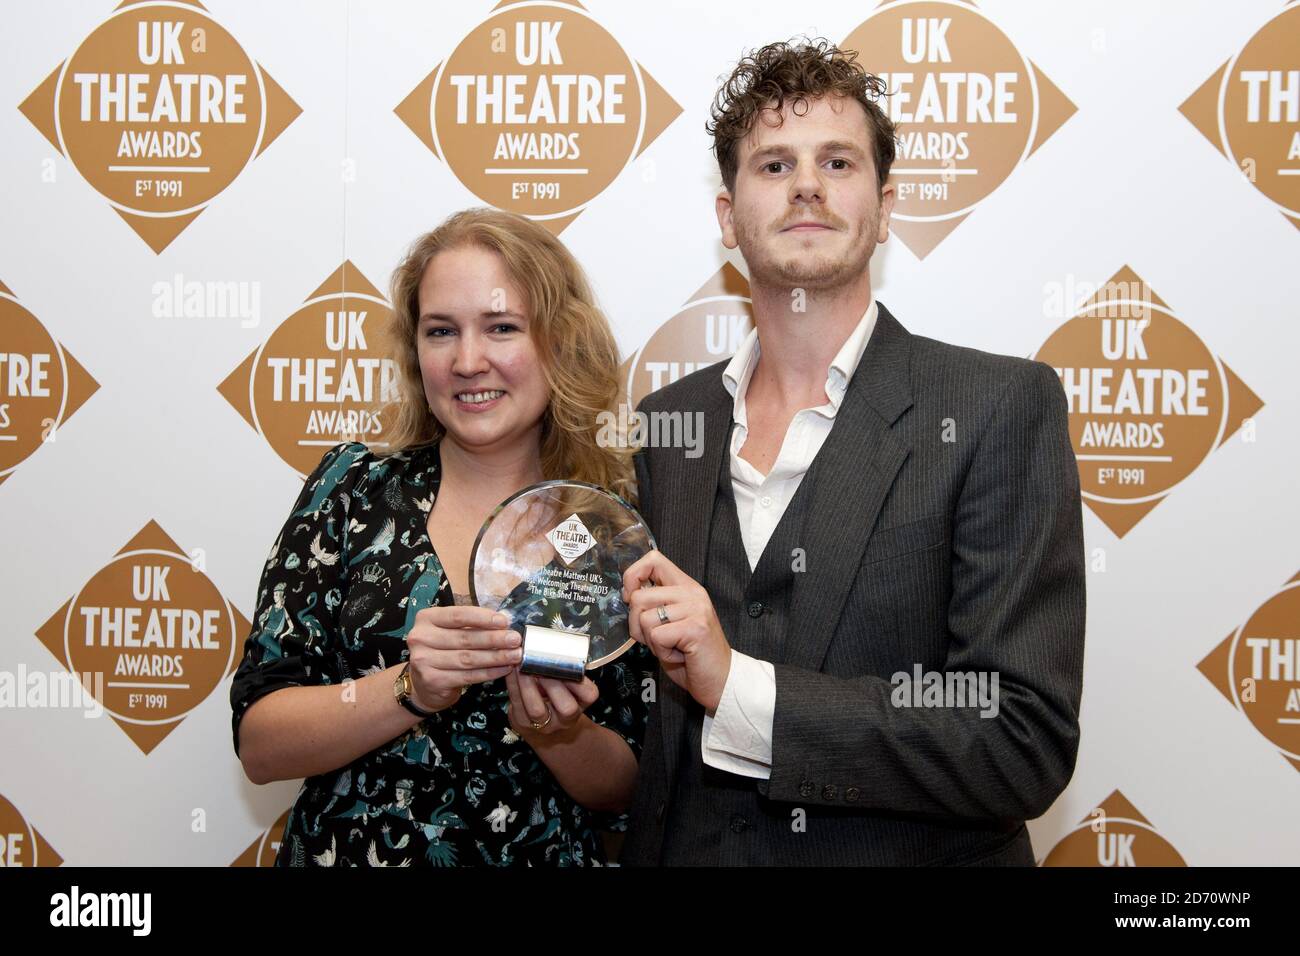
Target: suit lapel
[(686, 516), (850, 478)]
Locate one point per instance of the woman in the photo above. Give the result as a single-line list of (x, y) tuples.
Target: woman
[(364, 624)]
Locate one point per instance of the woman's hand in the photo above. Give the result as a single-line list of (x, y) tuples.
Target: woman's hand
[(542, 706), (454, 647)]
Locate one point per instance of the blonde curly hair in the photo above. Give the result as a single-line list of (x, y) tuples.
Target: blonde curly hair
[(579, 356)]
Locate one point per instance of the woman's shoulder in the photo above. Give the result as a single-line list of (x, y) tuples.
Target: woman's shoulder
[(361, 467), (340, 465)]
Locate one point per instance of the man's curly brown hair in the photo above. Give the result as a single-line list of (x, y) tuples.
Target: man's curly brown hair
[(798, 73)]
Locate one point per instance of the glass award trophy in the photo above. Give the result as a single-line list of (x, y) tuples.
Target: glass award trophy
[(551, 558)]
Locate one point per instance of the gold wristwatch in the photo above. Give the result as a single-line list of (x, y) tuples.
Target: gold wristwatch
[(402, 691)]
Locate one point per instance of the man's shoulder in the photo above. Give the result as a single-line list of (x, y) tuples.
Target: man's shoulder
[(950, 371), (936, 356), (937, 368), (689, 392)]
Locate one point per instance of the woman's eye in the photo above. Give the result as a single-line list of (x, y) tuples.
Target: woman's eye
[(436, 333), (505, 327)]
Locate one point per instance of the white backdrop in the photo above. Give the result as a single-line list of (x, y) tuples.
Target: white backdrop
[(1127, 180)]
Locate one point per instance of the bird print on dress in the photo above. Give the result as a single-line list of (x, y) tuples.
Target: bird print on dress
[(340, 591)]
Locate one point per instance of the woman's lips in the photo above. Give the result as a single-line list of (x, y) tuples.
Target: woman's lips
[(489, 399)]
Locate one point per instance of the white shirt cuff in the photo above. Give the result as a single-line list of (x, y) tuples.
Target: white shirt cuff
[(738, 736)]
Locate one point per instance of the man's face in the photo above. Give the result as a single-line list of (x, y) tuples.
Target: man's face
[(806, 209)]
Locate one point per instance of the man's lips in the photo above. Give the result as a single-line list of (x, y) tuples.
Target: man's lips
[(806, 227)]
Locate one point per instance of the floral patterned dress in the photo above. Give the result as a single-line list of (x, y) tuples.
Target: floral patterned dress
[(339, 592)]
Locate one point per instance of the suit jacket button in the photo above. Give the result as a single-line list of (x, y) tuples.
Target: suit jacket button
[(851, 794), (806, 788), (755, 608), (828, 792), (739, 824)]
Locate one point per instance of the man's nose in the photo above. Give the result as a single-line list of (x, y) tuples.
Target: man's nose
[(807, 184)]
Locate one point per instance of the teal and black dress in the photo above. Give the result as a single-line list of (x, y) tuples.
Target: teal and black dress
[(340, 590)]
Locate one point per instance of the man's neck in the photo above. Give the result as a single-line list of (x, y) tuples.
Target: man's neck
[(796, 347)]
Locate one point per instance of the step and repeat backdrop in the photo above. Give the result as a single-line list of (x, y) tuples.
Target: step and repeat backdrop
[(203, 204)]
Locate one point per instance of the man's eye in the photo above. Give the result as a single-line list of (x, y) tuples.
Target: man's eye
[(844, 163), (773, 167)]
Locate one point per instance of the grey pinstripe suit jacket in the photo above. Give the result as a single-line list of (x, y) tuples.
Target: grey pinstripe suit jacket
[(944, 530)]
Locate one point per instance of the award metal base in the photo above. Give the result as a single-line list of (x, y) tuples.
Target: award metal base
[(549, 652)]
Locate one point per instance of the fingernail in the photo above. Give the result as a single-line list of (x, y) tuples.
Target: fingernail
[(517, 655), (500, 620), (512, 640)]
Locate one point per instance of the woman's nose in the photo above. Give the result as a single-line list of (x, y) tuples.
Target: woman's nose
[(470, 357)]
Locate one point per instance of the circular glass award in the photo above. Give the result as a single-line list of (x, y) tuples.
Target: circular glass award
[(551, 557)]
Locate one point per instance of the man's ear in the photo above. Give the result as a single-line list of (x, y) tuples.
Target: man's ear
[(722, 206), (887, 197)]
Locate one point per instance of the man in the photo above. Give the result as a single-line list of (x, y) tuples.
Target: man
[(878, 522)]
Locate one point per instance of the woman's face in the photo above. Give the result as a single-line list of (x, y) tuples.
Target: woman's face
[(482, 374)]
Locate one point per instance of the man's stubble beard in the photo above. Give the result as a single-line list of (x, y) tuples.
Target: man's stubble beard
[(820, 274)]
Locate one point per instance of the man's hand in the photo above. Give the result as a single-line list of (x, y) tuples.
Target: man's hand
[(690, 645)]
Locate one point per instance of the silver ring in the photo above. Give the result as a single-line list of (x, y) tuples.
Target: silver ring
[(663, 614)]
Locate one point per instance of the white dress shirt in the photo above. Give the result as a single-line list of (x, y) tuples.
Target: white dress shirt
[(737, 737)]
